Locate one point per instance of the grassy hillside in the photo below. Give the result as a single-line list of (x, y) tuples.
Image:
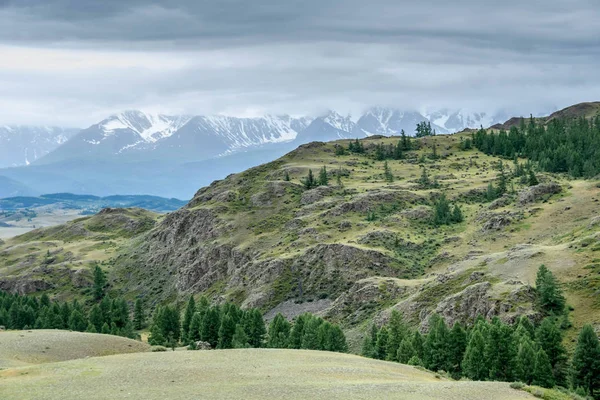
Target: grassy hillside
[(250, 374), (23, 348), (351, 250)]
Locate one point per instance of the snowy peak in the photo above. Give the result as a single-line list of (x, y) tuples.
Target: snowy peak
[(339, 122), (22, 145), (388, 122), (150, 127), (457, 120)]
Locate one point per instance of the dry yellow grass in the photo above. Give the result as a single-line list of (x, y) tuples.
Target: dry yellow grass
[(239, 374), (22, 348)]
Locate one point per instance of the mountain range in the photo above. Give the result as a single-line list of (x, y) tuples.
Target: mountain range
[(136, 152)]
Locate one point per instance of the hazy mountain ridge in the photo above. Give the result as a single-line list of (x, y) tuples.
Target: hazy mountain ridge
[(22, 144)]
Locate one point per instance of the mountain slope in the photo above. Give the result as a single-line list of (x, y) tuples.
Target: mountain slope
[(22, 145), (351, 251)]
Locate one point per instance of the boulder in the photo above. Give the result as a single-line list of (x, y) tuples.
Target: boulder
[(535, 193)]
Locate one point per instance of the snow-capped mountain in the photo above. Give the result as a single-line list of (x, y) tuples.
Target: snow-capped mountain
[(331, 126), (457, 120), (388, 122), (22, 145), (137, 135)]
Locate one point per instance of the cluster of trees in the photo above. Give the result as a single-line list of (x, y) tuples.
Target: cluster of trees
[(491, 351), (443, 214), (562, 145), (109, 316), (227, 326), (380, 151), (494, 350), (311, 182), (424, 129)]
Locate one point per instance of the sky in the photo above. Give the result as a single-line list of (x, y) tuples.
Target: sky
[(74, 62)]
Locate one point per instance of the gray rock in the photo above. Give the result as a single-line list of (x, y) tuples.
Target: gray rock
[(535, 193)]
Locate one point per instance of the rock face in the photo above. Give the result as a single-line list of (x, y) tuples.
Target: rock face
[(535, 193), (498, 221), (24, 286)]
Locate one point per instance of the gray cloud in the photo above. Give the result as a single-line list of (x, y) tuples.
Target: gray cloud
[(74, 61)]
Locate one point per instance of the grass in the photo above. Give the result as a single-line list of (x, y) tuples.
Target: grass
[(237, 374), (20, 348)]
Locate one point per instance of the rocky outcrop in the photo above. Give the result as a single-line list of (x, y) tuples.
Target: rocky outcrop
[(498, 221), (24, 285), (371, 201), (535, 193), (314, 195)]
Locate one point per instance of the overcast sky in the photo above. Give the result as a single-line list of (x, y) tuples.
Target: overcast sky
[(73, 62)]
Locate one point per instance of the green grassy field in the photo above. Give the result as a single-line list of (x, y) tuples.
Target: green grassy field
[(239, 374)]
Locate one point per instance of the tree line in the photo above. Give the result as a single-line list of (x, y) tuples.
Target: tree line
[(109, 316), (227, 326), (569, 146), (496, 351)]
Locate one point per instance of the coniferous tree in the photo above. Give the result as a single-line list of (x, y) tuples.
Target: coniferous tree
[(550, 297), (525, 361), (240, 338), (77, 321), (457, 346), (139, 317), (436, 352), (286, 176), (194, 330), (279, 332), (226, 332), (381, 344), (105, 329), (323, 178), (387, 173), (310, 182), (500, 351), (397, 329), (424, 179), (211, 323), (417, 344), (549, 338), (542, 373), (297, 332), (474, 364), (310, 340), (254, 326), (405, 351), (190, 310), (99, 283), (586, 361), (532, 180), (457, 215), (95, 317)]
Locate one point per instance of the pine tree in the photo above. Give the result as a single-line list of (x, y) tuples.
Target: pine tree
[(500, 351), (457, 346), (279, 332), (542, 373), (424, 179), (95, 317), (286, 176), (310, 340), (105, 329), (457, 216), (211, 323), (550, 297), (387, 173), (502, 180), (226, 332), (381, 344), (549, 337), (139, 317), (297, 332), (77, 322), (240, 339), (532, 180), (99, 283), (491, 193), (187, 320), (417, 344), (310, 182), (586, 361), (194, 330), (323, 178), (254, 326), (405, 351), (436, 350), (525, 360), (474, 364), (397, 329)]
